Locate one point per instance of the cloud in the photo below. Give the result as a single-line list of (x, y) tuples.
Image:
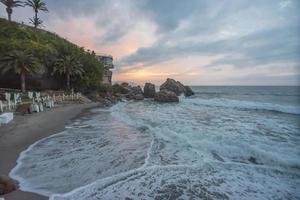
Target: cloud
[(245, 42), (148, 35)]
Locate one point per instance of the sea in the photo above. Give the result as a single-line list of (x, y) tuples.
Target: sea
[(225, 142)]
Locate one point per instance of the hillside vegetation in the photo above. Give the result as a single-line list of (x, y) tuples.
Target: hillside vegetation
[(51, 52)]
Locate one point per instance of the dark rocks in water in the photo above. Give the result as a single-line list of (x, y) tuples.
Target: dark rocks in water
[(138, 97), (166, 96), (136, 93), (7, 185), (188, 91), (137, 90), (149, 90), (125, 85), (120, 89), (177, 87), (174, 86)]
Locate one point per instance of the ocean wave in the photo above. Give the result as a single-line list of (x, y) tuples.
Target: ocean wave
[(247, 94), (222, 181), (239, 104), (146, 150)]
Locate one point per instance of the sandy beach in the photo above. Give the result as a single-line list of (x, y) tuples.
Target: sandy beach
[(25, 130)]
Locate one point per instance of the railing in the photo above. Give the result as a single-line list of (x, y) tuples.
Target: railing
[(35, 100)]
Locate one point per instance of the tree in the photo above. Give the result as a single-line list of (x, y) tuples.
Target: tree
[(10, 4), (21, 63), (37, 5), (69, 66), (37, 22)]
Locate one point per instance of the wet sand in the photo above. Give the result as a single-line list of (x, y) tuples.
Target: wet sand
[(16, 136)]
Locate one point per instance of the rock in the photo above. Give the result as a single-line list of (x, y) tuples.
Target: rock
[(121, 89), (177, 87), (174, 86), (188, 91), (149, 90), (137, 90), (7, 185), (166, 96), (136, 93), (124, 84), (138, 97)]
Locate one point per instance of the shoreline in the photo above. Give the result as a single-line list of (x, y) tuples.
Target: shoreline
[(23, 131)]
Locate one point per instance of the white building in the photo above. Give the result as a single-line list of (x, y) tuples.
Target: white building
[(107, 61)]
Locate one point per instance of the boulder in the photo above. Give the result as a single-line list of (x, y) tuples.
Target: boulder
[(166, 96), (121, 89), (136, 90), (7, 185), (138, 97), (188, 91), (174, 86), (136, 93), (124, 84), (149, 90), (177, 87)]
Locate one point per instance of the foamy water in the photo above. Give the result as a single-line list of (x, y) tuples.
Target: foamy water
[(223, 143)]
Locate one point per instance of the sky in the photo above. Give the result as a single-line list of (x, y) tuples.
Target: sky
[(198, 42)]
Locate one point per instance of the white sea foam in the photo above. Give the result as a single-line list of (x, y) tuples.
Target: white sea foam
[(222, 181), (81, 155), (238, 104), (198, 148)]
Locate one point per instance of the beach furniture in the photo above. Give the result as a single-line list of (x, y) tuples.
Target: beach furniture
[(1, 107), (5, 118), (7, 97), (35, 107), (41, 107)]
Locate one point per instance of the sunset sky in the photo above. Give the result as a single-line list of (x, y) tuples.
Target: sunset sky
[(212, 42)]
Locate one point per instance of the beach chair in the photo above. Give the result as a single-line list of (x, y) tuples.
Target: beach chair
[(5, 118), (35, 107), (1, 107), (41, 107)]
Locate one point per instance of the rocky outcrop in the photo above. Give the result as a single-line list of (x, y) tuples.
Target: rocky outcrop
[(7, 185), (149, 90), (120, 89), (177, 87), (174, 86), (166, 96), (136, 93), (188, 91)]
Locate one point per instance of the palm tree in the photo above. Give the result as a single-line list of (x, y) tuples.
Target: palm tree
[(21, 63), (37, 5), (10, 4), (37, 22), (69, 66)]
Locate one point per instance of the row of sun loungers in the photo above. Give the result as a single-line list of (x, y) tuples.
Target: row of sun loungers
[(32, 102)]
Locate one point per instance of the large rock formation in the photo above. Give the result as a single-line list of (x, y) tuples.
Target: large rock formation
[(177, 87), (166, 96), (188, 91), (136, 93), (120, 89), (174, 86), (149, 90), (7, 185)]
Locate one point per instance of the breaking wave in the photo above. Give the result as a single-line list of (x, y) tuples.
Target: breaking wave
[(216, 148)]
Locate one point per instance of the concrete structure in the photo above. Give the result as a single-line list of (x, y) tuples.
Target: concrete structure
[(107, 61)]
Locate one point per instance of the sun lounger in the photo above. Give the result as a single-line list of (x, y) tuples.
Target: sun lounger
[(35, 108), (41, 107), (5, 118)]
